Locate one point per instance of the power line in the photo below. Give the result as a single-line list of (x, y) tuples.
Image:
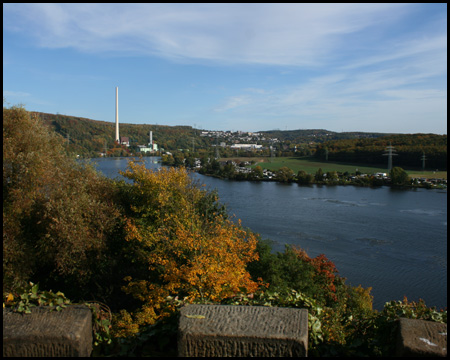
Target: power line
[(390, 152)]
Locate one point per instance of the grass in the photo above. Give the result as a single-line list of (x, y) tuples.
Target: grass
[(311, 165)]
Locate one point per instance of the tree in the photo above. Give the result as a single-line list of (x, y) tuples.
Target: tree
[(191, 249), (256, 173), (332, 176), (57, 214), (399, 176), (284, 174), (319, 175), (304, 179)]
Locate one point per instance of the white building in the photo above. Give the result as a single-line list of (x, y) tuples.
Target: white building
[(246, 146)]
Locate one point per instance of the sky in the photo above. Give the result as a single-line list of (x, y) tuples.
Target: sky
[(232, 66)]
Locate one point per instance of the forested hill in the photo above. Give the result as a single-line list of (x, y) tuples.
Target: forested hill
[(317, 135), (90, 137), (408, 150)]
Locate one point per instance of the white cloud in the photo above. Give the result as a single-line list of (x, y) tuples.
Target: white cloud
[(282, 34)]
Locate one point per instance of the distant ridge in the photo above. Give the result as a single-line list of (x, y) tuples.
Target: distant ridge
[(89, 138)]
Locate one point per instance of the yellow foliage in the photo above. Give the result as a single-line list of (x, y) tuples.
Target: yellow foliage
[(194, 254), (365, 299)]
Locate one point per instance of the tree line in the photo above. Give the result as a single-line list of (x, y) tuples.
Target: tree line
[(409, 150)]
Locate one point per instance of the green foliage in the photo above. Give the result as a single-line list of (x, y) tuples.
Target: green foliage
[(409, 148), (304, 179), (29, 296), (399, 176), (88, 137), (319, 175), (284, 174), (256, 173), (413, 310)]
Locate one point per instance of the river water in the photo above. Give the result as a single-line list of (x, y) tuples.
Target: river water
[(394, 241)]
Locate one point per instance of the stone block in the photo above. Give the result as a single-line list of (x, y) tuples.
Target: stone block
[(46, 333), (421, 338), (226, 330)]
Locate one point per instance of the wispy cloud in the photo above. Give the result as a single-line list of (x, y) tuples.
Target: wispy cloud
[(11, 94), (233, 102), (308, 64), (282, 34)]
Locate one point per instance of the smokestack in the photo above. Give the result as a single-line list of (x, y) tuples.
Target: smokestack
[(151, 139), (117, 115)]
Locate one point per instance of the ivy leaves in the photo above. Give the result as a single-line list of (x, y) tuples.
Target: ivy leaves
[(30, 296)]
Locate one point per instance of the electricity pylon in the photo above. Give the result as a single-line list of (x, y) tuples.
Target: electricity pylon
[(390, 152)]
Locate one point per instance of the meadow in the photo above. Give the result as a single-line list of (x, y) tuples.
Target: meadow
[(311, 165)]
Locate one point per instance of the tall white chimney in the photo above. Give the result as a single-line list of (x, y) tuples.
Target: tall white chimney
[(151, 139), (117, 114)]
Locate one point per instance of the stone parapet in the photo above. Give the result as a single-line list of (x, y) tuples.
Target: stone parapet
[(46, 333), (225, 330), (421, 338)]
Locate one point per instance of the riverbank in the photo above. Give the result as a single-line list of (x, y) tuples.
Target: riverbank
[(245, 170)]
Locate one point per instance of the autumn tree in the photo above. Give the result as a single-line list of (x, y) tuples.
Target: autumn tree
[(284, 174), (57, 214), (191, 248)]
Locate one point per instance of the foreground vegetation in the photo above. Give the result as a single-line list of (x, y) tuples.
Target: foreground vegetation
[(138, 251)]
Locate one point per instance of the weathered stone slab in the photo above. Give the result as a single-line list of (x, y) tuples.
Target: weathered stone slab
[(48, 333), (225, 330), (421, 338)]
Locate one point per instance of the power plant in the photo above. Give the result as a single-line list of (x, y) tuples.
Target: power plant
[(125, 140)]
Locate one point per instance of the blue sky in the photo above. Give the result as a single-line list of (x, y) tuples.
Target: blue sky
[(248, 67)]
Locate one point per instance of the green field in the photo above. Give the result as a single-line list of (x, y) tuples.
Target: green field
[(311, 165)]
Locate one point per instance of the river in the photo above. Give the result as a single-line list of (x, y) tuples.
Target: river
[(394, 241)]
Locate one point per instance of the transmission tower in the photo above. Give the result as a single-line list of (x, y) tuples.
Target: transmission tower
[(390, 152)]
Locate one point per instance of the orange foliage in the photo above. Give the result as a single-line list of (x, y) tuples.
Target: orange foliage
[(194, 253), (325, 269)]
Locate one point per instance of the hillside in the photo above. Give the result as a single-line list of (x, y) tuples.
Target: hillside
[(88, 137), (317, 135), (408, 150)]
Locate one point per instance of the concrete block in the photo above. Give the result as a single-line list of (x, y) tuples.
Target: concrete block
[(48, 333), (421, 338), (226, 330)]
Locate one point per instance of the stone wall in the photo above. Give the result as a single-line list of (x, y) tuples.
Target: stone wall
[(222, 330), (204, 330), (46, 333)]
